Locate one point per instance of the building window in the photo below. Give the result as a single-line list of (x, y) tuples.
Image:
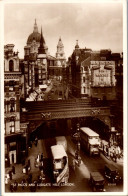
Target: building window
[(12, 126), (11, 85), (12, 105), (84, 79), (11, 65)]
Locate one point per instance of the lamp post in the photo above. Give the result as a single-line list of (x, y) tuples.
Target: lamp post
[(77, 155)]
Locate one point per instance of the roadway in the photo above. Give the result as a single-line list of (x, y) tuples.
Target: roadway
[(78, 178)]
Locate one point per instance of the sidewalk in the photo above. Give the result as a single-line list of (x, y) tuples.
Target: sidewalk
[(19, 175)]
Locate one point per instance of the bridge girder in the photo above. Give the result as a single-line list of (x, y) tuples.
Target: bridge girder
[(36, 119)]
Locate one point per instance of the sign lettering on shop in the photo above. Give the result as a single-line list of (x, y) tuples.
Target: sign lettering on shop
[(101, 75)]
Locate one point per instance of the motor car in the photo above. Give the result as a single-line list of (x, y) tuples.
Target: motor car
[(112, 174), (97, 182)]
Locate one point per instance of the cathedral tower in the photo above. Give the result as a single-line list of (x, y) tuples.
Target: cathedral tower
[(60, 55)]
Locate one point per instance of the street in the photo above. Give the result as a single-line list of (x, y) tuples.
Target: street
[(78, 178)]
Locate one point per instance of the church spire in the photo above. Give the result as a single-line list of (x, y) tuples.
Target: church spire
[(35, 27), (42, 44)]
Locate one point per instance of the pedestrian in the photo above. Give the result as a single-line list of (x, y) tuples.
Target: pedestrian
[(6, 180), (39, 179), (23, 182), (10, 175), (30, 178), (79, 160), (35, 163), (78, 146), (103, 148), (106, 150), (30, 144), (41, 166), (13, 169), (11, 187), (114, 155), (36, 141), (76, 154), (119, 151), (23, 162), (42, 156), (27, 169), (24, 170), (15, 185), (109, 152), (28, 162), (38, 158)]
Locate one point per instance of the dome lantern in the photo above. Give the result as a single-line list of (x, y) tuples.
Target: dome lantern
[(76, 46), (35, 28)]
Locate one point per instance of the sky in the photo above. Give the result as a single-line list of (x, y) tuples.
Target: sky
[(96, 25)]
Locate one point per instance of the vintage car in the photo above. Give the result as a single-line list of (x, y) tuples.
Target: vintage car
[(97, 182), (111, 173)]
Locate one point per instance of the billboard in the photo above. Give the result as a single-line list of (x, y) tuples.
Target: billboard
[(102, 73)]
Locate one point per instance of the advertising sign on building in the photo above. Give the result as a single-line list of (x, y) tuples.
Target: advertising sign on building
[(103, 73)]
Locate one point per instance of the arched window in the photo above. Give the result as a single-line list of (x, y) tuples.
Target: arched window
[(11, 65)]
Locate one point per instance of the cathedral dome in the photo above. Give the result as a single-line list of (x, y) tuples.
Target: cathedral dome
[(34, 36)]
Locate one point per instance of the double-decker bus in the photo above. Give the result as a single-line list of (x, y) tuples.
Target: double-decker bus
[(89, 140), (60, 164)]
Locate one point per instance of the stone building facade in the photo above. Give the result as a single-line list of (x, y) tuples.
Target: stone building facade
[(12, 93), (93, 73)]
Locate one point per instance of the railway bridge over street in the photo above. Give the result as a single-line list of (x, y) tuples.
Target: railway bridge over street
[(37, 112)]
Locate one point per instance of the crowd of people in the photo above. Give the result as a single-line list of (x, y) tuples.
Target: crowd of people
[(113, 152)]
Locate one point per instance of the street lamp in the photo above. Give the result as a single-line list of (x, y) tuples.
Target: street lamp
[(77, 135)]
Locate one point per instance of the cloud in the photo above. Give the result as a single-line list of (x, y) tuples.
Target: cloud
[(53, 21), (95, 25)]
